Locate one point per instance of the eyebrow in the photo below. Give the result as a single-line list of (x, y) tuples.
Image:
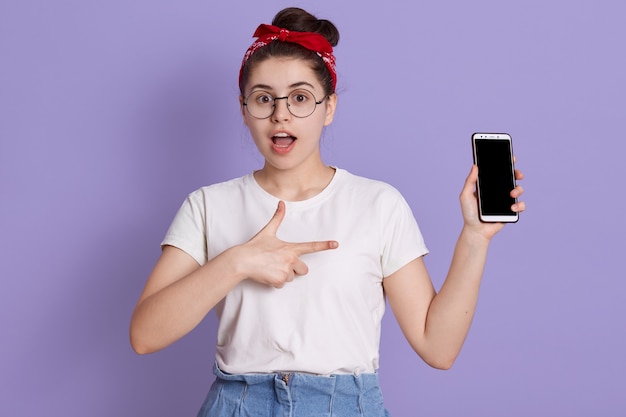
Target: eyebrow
[(294, 85)]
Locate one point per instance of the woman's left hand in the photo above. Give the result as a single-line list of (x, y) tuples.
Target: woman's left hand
[(469, 205)]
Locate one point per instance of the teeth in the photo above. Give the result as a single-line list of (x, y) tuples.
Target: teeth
[(281, 135)]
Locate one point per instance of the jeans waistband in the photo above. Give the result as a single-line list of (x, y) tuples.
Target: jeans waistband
[(328, 383), (293, 394)]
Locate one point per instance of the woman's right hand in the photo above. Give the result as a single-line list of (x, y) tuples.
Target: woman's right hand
[(271, 261), (179, 292)]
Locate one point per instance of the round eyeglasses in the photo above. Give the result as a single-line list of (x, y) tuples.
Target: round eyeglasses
[(300, 103)]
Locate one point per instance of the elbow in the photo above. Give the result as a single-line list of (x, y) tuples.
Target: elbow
[(139, 336), (144, 344), (437, 356), (139, 345), (443, 365), (139, 348), (440, 361)]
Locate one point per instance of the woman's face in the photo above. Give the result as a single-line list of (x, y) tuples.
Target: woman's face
[(286, 141)]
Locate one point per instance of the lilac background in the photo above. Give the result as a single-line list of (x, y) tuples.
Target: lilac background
[(111, 112)]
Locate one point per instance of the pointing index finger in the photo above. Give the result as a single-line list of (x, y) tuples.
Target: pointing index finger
[(312, 247)]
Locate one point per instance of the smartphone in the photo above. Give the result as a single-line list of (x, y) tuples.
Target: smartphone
[(493, 153)]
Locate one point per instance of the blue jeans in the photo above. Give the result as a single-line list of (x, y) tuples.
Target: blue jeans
[(293, 395)]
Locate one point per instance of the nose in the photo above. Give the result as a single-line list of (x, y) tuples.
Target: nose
[(281, 111)]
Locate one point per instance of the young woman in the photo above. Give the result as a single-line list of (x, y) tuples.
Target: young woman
[(297, 257)]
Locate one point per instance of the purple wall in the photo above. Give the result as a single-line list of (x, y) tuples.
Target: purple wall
[(111, 112)]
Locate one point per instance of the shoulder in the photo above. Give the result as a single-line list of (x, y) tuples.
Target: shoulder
[(220, 197), (227, 188), (368, 188)]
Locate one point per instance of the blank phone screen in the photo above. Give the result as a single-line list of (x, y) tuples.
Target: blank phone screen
[(495, 176)]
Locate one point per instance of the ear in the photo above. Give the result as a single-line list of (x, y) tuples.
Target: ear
[(331, 105), (243, 110)]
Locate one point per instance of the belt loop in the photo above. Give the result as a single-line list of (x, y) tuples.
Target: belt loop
[(332, 395), (243, 396), (358, 381)]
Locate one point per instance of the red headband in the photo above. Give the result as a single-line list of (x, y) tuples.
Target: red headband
[(310, 40)]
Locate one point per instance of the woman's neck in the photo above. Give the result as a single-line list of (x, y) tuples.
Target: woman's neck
[(295, 184)]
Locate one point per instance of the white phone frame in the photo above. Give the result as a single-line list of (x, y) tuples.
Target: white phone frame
[(514, 217)]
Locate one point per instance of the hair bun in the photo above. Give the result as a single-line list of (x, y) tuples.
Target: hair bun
[(299, 20)]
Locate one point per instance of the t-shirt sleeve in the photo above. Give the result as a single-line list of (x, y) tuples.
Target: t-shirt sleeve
[(188, 229), (402, 238)]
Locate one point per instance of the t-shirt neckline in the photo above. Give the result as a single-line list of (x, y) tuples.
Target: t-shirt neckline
[(321, 196)]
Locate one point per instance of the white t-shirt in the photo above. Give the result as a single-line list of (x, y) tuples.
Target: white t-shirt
[(328, 321)]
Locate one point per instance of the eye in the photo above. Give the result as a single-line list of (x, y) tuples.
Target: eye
[(263, 98), (300, 97)]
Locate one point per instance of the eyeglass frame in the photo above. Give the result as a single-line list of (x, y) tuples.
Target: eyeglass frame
[(245, 103)]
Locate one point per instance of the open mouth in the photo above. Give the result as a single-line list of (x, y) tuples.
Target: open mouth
[(283, 140)]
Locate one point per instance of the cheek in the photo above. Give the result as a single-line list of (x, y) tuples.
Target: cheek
[(256, 132)]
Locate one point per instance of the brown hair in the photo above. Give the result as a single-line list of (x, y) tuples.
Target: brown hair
[(298, 20)]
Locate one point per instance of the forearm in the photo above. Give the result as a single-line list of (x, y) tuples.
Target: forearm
[(170, 313), (436, 325), (452, 309)]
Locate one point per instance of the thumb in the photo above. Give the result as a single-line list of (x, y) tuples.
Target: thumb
[(272, 226)]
